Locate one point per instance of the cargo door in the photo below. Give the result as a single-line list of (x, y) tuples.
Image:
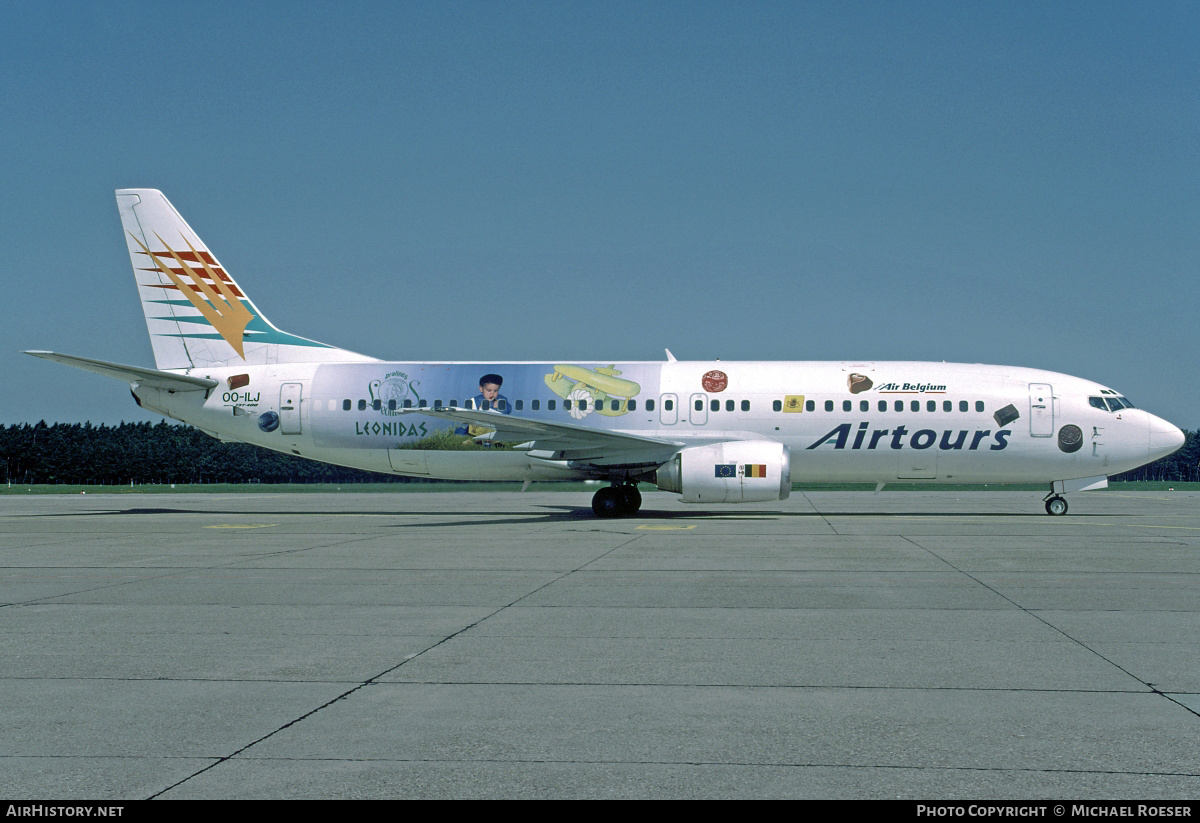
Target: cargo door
[(917, 464)]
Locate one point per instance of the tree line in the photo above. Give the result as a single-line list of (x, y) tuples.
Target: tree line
[(149, 453), (80, 453)]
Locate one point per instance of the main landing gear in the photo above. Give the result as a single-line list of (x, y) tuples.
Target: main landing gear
[(1055, 505), (622, 500)]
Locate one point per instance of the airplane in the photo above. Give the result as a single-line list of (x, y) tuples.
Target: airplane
[(709, 431)]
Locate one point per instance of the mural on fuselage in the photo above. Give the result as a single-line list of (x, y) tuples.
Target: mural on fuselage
[(598, 389), (376, 405), (392, 391)]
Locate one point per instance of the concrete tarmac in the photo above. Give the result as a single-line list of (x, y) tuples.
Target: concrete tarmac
[(836, 645)]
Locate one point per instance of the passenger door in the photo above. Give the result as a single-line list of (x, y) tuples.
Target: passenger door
[(1041, 409), (289, 408)]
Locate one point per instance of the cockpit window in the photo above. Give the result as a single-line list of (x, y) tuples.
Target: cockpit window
[(1110, 403)]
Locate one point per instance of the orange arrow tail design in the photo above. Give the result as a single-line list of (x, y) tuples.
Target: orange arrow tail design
[(228, 315)]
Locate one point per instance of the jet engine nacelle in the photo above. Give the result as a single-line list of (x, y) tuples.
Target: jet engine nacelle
[(742, 471)]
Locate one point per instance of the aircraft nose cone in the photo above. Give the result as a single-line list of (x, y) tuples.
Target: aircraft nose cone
[(1164, 438)]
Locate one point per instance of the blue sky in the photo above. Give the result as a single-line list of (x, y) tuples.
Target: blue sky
[(1005, 182)]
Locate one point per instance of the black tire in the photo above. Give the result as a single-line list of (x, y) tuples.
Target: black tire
[(1056, 507), (607, 503), (631, 499)]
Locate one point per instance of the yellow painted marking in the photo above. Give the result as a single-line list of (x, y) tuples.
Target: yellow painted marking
[(1148, 526), (242, 526), (665, 528)]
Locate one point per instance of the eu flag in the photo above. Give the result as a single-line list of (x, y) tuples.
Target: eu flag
[(726, 469)]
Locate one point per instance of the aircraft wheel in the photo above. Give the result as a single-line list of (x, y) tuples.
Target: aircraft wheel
[(631, 499), (1056, 506), (607, 503)]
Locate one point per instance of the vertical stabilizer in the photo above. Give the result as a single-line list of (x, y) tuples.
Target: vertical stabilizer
[(196, 313)]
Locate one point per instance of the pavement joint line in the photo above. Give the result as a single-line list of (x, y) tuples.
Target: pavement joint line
[(1037, 616), (748, 764), (374, 680), (232, 565), (751, 764)]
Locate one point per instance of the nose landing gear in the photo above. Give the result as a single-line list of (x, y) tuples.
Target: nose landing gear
[(622, 500), (1055, 505)]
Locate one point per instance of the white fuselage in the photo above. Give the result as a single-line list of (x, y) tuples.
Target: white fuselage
[(855, 422)]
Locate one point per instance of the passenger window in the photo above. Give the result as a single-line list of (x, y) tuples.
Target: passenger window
[(745, 405), (915, 405), (632, 405), (613, 405), (947, 406), (715, 405), (346, 405), (847, 405), (566, 404), (519, 404), (550, 405), (668, 405), (362, 405), (777, 405), (424, 404), (828, 405), (978, 405), (437, 404), (728, 405), (864, 405), (649, 405), (535, 404), (931, 405), (699, 405), (962, 405), (899, 405), (377, 404), (582, 405), (809, 405), (883, 405), (454, 404), (391, 405), (408, 404)]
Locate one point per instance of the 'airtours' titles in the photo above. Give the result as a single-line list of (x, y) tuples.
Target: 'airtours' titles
[(950, 440)]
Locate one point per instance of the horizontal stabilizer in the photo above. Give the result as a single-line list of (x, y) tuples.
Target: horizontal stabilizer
[(131, 374)]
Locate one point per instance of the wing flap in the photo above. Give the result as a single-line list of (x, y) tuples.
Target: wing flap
[(568, 441)]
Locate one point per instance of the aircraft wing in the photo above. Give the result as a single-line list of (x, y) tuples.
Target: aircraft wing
[(572, 442), (131, 374)]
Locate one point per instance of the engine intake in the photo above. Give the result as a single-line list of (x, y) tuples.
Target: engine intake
[(742, 471)]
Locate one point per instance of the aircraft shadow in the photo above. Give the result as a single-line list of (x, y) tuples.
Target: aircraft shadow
[(552, 514)]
